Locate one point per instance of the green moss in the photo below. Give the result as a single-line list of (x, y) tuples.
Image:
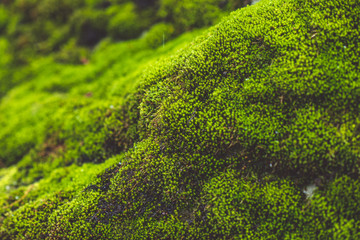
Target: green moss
[(4, 16), (88, 26), (222, 139), (49, 105), (72, 54), (189, 14), (335, 209), (125, 23), (5, 63), (159, 34), (248, 209), (58, 190)]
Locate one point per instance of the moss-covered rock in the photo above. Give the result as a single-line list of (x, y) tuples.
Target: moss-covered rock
[(222, 139)]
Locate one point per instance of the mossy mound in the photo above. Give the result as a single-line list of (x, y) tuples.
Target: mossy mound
[(226, 139)]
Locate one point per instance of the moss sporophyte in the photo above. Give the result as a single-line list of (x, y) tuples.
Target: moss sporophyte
[(186, 122)]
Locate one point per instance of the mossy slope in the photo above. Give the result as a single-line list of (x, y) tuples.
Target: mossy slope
[(221, 140), (69, 29)]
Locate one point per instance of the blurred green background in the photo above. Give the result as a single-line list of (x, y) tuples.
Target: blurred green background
[(69, 30)]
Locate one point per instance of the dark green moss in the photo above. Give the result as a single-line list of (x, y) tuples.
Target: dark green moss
[(226, 139)]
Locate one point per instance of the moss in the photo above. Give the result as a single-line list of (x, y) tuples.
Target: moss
[(334, 209), (4, 16), (51, 193), (247, 208), (125, 23), (5, 63), (88, 26), (45, 105), (221, 139), (72, 54), (159, 34), (189, 14)]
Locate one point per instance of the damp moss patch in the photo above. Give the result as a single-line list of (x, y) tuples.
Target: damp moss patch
[(219, 140)]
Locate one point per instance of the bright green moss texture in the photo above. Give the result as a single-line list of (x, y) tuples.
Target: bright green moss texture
[(226, 139)]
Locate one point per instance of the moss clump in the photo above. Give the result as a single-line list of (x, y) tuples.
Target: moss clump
[(249, 209), (125, 22), (4, 16), (223, 140), (159, 34), (189, 14)]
